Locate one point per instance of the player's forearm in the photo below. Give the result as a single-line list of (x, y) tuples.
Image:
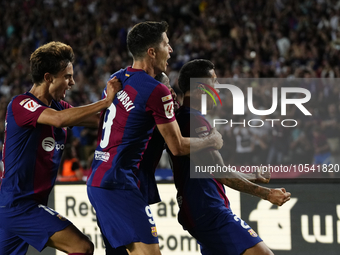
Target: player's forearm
[(237, 182), (250, 177), (197, 144), (213, 140), (91, 121), (75, 115), (191, 145), (180, 146), (72, 116)]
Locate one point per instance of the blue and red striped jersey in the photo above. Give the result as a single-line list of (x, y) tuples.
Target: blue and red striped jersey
[(126, 128), (31, 152), (195, 196)]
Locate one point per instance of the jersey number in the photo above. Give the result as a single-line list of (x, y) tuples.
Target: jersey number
[(108, 121), (243, 224), (149, 214)]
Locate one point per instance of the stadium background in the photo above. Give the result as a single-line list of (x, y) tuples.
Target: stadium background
[(261, 39)]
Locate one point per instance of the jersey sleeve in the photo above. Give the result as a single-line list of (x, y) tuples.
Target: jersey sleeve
[(199, 127), (161, 104), (26, 111)]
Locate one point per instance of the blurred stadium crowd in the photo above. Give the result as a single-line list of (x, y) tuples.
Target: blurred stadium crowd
[(244, 39)]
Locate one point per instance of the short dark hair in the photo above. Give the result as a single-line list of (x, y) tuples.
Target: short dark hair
[(198, 68), (145, 35), (52, 58)]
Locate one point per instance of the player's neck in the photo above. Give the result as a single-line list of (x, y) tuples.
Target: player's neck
[(41, 92), (144, 65)]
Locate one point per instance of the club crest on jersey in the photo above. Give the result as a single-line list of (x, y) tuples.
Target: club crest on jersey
[(124, 98), (31, 105), (252, 232), (169, 109), (61, 217), (154, 231)]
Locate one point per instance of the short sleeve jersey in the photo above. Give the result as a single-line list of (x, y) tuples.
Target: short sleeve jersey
[(126, 128), (195, 197), (31, 152)]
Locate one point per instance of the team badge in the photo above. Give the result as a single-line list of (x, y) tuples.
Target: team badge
[(252, 232), (154, 231), (61, 217), (169, 109)]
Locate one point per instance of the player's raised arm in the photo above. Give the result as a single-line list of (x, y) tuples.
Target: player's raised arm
[(74, 116), (180, 145), (239, 181)]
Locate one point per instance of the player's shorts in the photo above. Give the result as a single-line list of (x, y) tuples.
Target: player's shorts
[(123, 216), (224, 234), (323, 158), (33, 224)]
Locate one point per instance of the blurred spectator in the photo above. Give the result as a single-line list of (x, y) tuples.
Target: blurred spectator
[(70, 169), (261, 140), (331, 127), (279, 146), (289, 40), (283, 44), (301, 149), (244, 145), (322, 152)]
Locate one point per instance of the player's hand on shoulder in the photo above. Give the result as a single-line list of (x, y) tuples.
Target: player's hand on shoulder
[(278, 196), (113, 86), (216, 138)]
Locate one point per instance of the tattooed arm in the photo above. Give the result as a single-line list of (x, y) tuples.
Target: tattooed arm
[(238, 181)]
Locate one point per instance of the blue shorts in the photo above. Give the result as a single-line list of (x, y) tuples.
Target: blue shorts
[(23, 225), (123, 216), (323, 158), (224, 234)]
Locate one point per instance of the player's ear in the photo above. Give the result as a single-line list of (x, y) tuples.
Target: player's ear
[(151, 52), (201, 88), (48, 77)]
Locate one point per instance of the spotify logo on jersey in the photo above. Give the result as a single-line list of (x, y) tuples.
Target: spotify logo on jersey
[(48, 144)]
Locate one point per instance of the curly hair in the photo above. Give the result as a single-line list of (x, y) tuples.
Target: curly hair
[(52, 58)]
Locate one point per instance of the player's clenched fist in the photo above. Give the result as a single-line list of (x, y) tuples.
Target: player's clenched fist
[(278, 196)]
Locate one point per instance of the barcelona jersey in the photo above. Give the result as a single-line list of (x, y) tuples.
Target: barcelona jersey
[(31, 153), (126, 128), (196, 197)]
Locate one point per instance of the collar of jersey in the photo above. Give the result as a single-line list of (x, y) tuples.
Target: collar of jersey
[(133, 70), (31, 95)]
